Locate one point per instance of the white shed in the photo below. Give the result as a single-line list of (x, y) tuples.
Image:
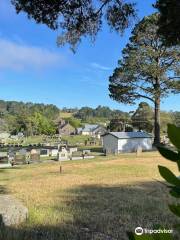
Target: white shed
[(117, 142)]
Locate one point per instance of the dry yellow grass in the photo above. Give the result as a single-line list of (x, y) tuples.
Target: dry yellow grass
[(94, 199)]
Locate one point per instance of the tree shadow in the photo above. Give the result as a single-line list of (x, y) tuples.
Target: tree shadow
[(102, 212), (3, 190)]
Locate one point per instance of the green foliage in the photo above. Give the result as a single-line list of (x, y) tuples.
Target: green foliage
[(99, 114), (74, 122), (120, 125), (77, 19), (43, 125), (172, 155), (29, 118), (166, 118), (143, 71), (168, 176), (169, 154), (176, 118), (174, 135), (15, 108), (175, 209), (169, 21), (142, 119), (150, 237)]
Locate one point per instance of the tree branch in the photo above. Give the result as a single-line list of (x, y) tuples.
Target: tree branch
[(144, 96), (102, 6), (176, 77)]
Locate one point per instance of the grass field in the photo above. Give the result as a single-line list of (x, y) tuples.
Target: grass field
[(72, 139), (65, 115), (75, 139), (98, 199)]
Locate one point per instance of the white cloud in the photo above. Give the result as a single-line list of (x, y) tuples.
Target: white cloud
[(100, 67), (18, 56)]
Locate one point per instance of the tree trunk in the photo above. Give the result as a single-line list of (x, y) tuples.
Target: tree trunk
[(157, 122)]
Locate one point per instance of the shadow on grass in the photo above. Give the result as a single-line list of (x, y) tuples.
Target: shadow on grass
[(101, 212), (3, 190)]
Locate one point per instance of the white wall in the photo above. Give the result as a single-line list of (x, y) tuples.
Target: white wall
[(110, 144), (131, 145), (85, 133)]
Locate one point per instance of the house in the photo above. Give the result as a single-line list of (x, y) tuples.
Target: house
[(66, 129), (79, 131), (117, 142), (98, 131), (93, 130)]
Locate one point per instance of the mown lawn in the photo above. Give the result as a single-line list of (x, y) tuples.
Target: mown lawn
[(75, 139), (97, 199)]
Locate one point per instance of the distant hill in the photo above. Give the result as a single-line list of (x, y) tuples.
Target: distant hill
[(99, 114), (17, 108)]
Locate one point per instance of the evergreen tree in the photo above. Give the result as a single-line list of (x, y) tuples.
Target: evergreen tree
[(148, 69), (142, 119), (78, 18), (169, 21)]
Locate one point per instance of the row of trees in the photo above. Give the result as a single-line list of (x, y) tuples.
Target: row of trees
[(143, 120), (99, 114), (29, 118), (35, 119), (13, 107)]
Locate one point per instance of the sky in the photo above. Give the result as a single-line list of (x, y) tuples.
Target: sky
[(34, 69)]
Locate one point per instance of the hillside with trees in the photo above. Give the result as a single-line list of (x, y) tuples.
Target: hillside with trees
[(37, 119), (29, 118), (99, 114)]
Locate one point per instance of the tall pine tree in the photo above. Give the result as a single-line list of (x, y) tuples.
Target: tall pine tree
[(148, 69)]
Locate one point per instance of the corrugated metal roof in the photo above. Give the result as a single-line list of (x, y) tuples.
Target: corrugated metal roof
[(122, 135), (89, 127)]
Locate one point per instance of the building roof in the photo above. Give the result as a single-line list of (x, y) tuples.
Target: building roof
[(79, 129), (66, 125), (89, 127), (125, 135)]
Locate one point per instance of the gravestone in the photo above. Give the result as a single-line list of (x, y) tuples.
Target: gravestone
[(86, 152), (62, 154), (54, 152), (35, 155), (138, 151), (44, 152), (12, 211), (11, 157), (22, 151), (25, 154)]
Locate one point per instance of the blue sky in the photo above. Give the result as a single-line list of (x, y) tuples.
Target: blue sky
[(33, 68)]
